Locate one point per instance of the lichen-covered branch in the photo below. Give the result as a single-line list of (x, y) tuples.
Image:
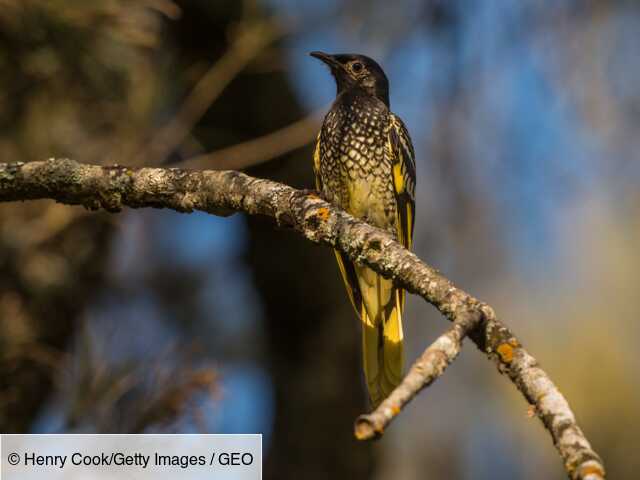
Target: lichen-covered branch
[(425, 370), (224, 192)]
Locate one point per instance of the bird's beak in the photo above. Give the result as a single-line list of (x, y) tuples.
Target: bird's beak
[(328, 59)]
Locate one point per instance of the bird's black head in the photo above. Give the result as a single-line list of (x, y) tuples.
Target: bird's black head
[(357, 71)]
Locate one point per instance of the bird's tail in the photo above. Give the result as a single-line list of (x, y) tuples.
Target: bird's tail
[(381, 315)]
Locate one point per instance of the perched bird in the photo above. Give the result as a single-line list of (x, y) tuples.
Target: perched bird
[(364, 162)]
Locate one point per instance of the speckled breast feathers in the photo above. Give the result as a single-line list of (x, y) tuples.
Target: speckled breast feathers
[(364, 160)]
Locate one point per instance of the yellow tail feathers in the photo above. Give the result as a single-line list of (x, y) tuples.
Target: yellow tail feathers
[(379, 305), (381, 315)]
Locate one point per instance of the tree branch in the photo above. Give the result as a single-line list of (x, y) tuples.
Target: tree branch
[(224, 192), (429, 366)]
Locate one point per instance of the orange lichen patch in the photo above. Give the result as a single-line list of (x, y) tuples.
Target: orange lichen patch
[(591, 470), (540, 397), (395, 410), (361, 434), (505, 350), (365, 429), (323, 214)]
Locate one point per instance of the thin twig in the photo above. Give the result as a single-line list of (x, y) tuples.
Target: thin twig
[(426, 369), (260, 150), (252, 37), (225, 192)]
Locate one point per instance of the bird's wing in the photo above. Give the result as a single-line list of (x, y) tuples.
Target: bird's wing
[(404, 185), (404, 179)]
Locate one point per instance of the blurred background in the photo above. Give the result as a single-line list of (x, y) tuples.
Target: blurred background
[(525, 115)]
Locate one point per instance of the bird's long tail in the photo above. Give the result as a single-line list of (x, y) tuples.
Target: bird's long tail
[(381, 315)]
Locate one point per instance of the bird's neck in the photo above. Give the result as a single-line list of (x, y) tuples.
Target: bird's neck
[(355, 94)]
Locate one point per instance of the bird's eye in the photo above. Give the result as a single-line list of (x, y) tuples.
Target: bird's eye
[(357, 67)]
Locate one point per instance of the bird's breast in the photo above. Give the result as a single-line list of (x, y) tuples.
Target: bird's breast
[(356, 167)]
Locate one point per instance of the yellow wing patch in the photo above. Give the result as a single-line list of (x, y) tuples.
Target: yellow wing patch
[(409, 208), (316, 164), (398, 178)]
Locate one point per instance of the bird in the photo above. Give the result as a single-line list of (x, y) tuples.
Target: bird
[(364, 163)]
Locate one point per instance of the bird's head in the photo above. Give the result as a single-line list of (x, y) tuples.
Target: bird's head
[(357, 71)]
